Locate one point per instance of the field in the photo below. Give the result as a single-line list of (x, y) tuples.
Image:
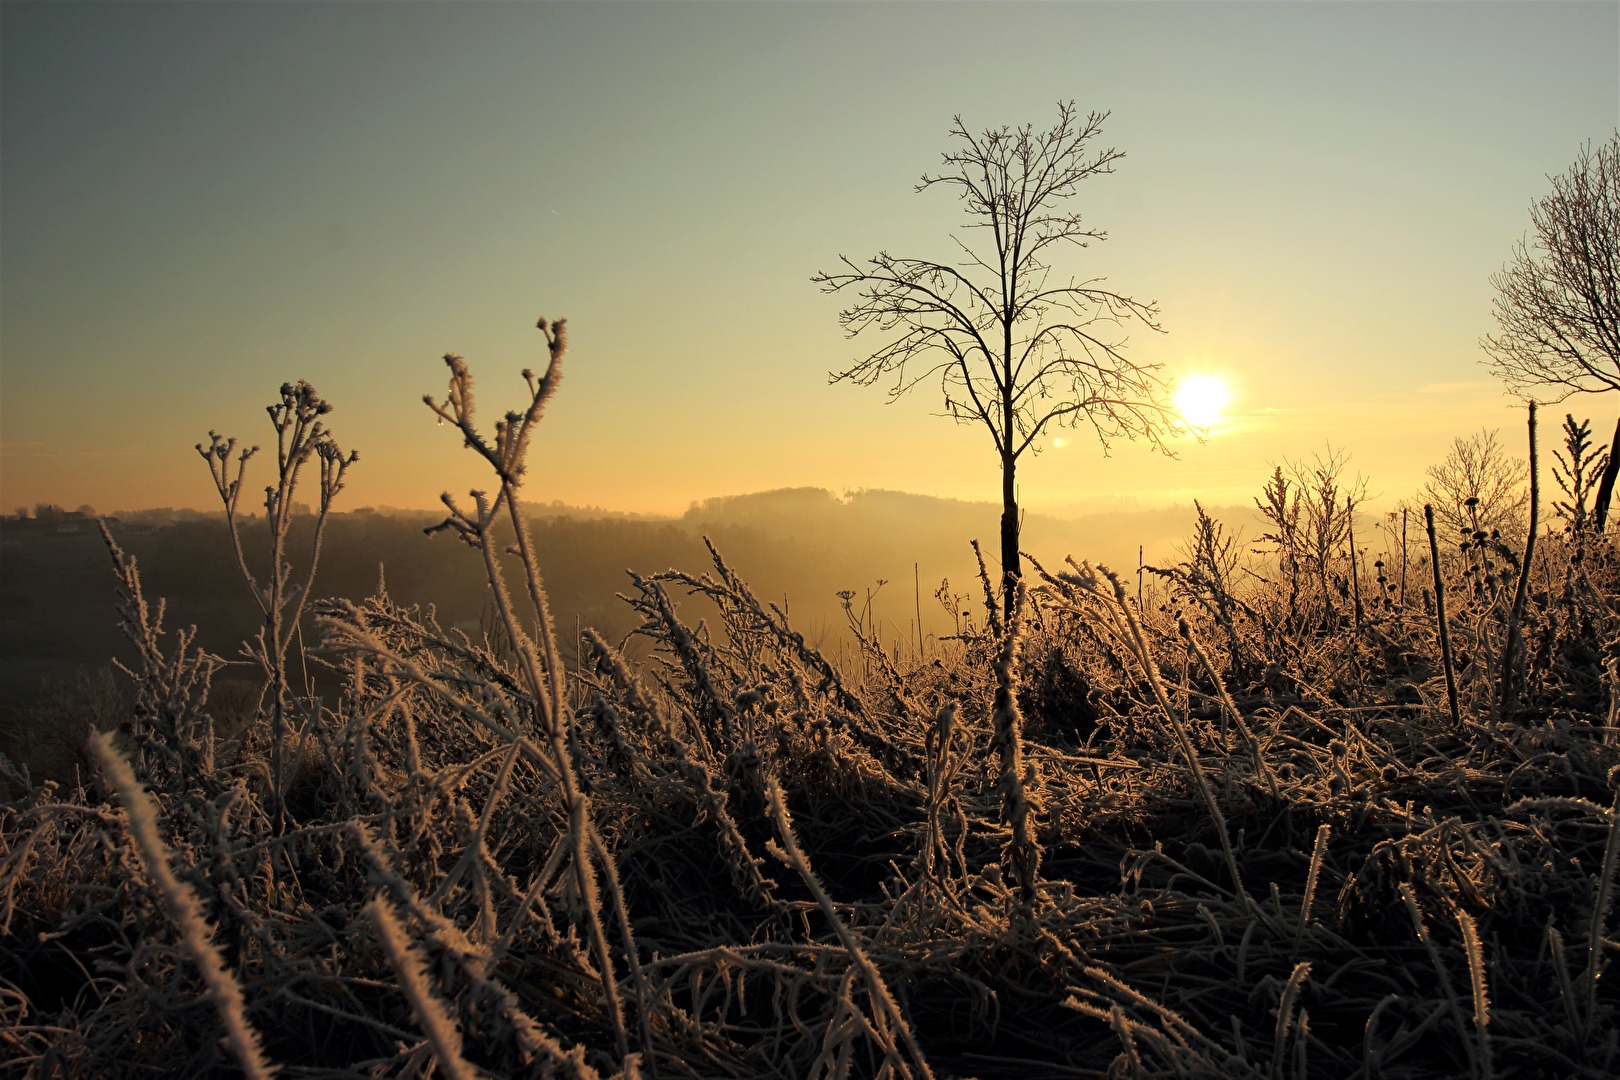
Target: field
[(1339, 806)]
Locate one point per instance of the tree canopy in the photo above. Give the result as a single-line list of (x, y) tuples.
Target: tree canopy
[(1012, 348)]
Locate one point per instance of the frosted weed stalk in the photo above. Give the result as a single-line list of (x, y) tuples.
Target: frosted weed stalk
[(533, 641), (301, 437)]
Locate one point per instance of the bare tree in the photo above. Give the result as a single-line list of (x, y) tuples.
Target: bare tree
[(1011, 350), (1478, 487), (1558, 298)]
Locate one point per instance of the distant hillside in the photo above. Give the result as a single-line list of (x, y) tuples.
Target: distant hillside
[(891, 527), (798, 546)]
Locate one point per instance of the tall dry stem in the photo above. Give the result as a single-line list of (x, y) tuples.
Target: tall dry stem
[(1440, 617), (1513, 663), (1023, 851), (536, 646)]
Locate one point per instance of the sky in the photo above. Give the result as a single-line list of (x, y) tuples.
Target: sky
[(199, 202)]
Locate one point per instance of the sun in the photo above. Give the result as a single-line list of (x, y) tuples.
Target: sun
[(1201, 400)]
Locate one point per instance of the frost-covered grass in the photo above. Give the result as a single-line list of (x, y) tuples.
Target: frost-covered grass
[(1232, 831)]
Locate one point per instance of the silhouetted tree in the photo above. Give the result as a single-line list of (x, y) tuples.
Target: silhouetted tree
[(1012, 350), (1557, 300), (1477, 468)]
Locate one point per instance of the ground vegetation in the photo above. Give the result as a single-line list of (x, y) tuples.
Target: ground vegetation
[(1268, 813)]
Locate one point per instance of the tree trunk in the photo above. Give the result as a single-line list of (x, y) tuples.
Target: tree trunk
[(1011, 569), (1605, 491)]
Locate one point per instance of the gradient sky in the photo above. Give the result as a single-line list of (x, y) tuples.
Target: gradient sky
[(201, 201)]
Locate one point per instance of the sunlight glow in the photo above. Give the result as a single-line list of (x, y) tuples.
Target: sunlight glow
[(1202, 399)]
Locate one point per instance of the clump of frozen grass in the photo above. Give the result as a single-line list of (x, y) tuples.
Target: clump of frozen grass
[(413, 980), (184, 910)]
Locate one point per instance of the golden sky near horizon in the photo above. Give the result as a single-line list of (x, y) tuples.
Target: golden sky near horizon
[(203, 201)]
